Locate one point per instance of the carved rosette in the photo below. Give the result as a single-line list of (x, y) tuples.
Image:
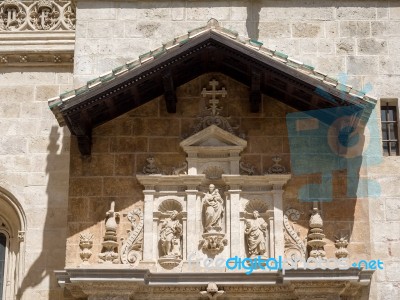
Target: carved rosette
[(40, 15), (132, 248)]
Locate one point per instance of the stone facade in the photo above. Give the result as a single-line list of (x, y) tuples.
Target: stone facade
[(357, 38), (34, 160)]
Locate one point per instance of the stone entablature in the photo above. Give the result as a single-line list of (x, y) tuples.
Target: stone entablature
[(124, 283)]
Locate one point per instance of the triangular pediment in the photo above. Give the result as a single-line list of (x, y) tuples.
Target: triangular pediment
[(213, 137)]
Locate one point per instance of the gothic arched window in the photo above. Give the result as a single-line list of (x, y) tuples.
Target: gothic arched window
[(3, 246), (12, 230)]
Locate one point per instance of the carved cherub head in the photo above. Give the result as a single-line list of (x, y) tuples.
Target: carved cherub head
[(211, 188), (173, 215)]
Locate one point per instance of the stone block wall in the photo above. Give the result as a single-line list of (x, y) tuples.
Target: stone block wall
[(121, 146), (34, 168), (360, 39)]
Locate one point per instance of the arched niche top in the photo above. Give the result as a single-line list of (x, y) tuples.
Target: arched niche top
[(169, 205), (11, 213)]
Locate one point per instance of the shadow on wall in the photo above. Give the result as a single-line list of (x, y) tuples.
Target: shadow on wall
[(52, 256)]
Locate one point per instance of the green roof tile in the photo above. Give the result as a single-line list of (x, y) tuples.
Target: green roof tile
[(132, 64), (281, 55)]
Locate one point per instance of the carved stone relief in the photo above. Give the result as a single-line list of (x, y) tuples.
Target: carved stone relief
[(132, 247), (150, 167), (41, 15), (247, 168), (295, 247), (276, 168), (212, 291)]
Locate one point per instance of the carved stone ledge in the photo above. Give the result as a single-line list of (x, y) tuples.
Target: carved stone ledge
[(35, 59), (141, 283)]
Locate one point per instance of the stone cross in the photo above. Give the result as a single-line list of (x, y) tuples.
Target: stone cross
[(213, 93)]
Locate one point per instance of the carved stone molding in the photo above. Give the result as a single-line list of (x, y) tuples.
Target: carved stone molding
[(25, 59), (41, 15), (142, 284), (132, 247)]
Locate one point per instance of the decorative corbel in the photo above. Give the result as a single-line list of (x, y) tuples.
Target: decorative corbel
[(82, 129), (169, 92)]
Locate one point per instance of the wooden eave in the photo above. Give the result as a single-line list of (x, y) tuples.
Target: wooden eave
[(207, 52)]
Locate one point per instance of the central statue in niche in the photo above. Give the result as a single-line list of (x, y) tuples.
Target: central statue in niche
[(214, 240), (213, 210)]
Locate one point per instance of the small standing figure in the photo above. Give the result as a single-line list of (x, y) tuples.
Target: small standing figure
[(255, 233), (170, 236), (213, 209)]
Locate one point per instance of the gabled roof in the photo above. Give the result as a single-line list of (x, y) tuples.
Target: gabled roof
[(206, 49)]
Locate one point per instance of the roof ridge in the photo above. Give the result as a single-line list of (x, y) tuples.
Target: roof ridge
[(214, 26)]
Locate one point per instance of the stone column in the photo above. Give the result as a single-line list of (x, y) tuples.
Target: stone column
[(234, 209), (148, 234), (277, 194), (184, 237), (271, 237), (192, 239)]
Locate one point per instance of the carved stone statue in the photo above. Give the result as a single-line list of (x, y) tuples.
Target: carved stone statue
[(170, 236), (213, 209), (255, 233)]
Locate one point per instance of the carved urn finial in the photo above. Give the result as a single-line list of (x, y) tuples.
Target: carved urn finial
[(316, 235), (341, 245), (110, 244), (86, 244)]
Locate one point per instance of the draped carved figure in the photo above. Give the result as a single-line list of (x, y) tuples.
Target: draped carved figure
[(213, 210), (170, 237), (255, 233)]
